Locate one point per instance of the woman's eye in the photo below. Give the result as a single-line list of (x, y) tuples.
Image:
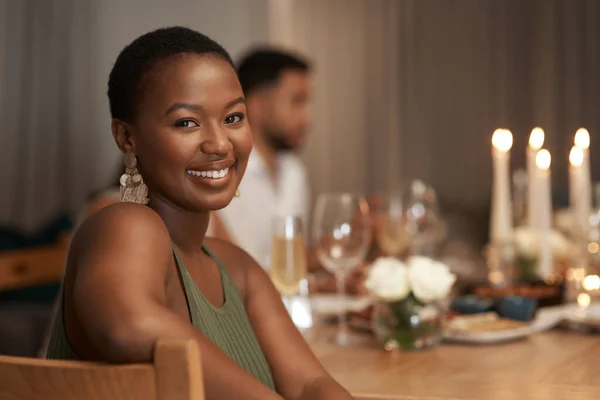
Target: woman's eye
[(234, 118), (186, 123)]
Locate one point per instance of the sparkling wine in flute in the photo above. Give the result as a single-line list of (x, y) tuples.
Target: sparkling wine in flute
[(393, 237), (288, 264)]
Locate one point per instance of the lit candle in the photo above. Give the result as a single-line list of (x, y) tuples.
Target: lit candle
[(584, 196), (536, 141), (575, 187), (501, 217), (545, 263)]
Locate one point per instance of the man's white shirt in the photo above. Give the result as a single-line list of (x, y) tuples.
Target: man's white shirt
[(248, 218)]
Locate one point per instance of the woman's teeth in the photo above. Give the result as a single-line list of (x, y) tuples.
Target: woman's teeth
[(214, 174)]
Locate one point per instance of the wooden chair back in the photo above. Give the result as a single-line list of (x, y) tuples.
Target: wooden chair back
[(175, 374)]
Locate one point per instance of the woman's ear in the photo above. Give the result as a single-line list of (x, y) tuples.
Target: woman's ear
[(122, 135)]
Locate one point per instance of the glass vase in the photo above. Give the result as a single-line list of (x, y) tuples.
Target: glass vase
[(407, 324)]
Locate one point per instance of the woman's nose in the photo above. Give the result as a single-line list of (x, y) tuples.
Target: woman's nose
[(216, 143)]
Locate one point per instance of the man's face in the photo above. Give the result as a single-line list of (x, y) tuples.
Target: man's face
[(286, 111)]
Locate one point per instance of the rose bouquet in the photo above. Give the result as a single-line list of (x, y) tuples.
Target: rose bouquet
[(527, 250), (410, 300)]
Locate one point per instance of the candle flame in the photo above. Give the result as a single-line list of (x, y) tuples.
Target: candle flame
[(584, 300), (582, 138), (591, 282), (543, 159), (536, 138), (576, 156), (502, 140)]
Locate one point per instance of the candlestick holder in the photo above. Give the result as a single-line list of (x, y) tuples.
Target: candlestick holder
[(500, 261), (586, 279)]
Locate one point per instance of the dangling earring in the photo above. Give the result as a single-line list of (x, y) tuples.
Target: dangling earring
[(237, 192), (133, 188)]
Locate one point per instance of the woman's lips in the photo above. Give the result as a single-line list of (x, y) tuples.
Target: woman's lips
[(213, 178)]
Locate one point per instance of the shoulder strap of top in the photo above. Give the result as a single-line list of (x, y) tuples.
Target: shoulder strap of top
[(178, 261), (227, 280), (181, 266), (213, 256)]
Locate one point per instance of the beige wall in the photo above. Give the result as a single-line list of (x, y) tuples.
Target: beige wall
[(55, 57), (460, 70), (404, 88)]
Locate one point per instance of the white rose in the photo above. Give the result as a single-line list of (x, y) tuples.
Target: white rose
[(527, 243), (430, 280), (565, 221), (561, 247), (388, 279)]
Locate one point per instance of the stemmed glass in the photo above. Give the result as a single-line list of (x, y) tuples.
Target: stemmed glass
[(393, 233), (423, 217), (288, 256), (342, 236)]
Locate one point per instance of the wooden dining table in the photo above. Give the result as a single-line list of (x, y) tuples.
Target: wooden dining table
[(554, 365)]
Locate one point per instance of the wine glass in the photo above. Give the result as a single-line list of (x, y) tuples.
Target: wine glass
[(393, 231), (288, 256), (341, 235), (423, 218)]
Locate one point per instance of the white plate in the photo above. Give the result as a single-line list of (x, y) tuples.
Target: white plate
[(548, 317), (330, 305), (545, 319), (588, 317), (488, 337)]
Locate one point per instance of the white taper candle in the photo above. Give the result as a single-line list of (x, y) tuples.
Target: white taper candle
[(536, 141), (582, 140), (501, 217), (545, 262)]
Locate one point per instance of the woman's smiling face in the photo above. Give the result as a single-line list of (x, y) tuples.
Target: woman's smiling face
[(190, 134)]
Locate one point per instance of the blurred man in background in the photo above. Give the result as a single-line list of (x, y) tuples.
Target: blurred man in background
[(277, 87)]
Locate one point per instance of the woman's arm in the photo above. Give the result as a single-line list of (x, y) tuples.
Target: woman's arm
[(121, 256), (302, 378)]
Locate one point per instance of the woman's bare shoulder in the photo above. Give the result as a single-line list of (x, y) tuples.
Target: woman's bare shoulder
[(124, 230), (125, 218)]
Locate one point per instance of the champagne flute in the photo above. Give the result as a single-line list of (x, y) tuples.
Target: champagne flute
[(423, 216), (341, 235), (288, 256), (393, 230)]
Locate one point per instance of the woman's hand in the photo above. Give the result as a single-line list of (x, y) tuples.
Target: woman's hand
[(297, 373)]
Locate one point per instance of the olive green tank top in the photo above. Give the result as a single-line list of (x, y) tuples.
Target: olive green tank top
[(227, 326)]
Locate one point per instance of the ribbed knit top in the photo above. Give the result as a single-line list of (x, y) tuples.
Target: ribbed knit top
[(227, 326)]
